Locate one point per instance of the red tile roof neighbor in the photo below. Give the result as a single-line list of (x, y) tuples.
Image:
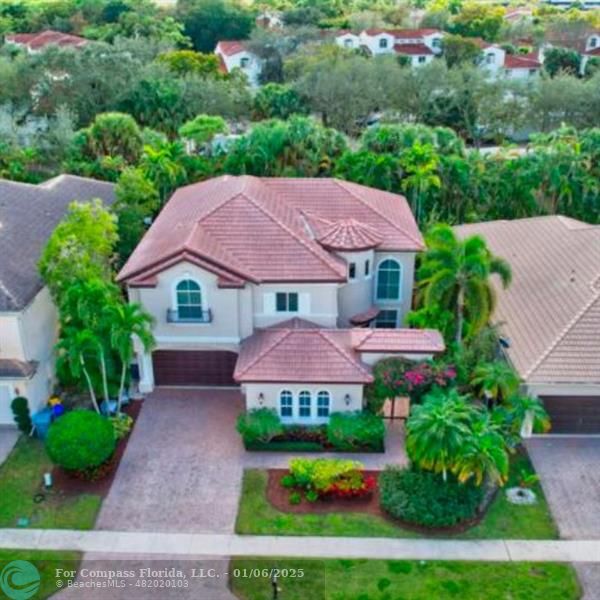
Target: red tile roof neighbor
[(425, 341), (412, 49), (298, 351), (551, 312), (231, 47), (256, 229), (522, 61), (37, 41)]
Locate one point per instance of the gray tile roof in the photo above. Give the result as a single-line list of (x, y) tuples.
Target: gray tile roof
[(551, 311), (28, 215)]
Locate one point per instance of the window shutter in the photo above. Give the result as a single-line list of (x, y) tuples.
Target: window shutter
[(304, 303), (269, 303)]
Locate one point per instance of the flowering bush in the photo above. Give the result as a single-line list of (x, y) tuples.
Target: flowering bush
[(352, 485)]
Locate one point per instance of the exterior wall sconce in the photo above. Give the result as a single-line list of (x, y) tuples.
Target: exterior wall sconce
[(347, 399), (261, 398)]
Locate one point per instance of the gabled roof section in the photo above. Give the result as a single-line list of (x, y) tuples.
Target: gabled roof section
[(231, 47), (413, 49), (37, 41), (522, 61), (256, 229)]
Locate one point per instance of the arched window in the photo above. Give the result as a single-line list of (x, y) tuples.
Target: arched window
[(323, 402), (389, 274), (285, 404), (304, 409), (189, 300)]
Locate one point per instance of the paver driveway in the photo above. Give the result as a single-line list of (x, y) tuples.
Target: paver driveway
[(570, 475), (182, 468)]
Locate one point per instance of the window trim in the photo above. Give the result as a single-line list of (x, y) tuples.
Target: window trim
[(400, 282)]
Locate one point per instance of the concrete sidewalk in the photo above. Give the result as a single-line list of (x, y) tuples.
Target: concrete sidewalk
[(181, 544)]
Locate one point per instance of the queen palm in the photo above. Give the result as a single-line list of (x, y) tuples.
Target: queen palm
[(126, 322), (438, 430), (497, 379), (456, 275), (484, 455), (521, 408)]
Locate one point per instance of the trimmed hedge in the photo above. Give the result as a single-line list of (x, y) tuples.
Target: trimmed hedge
[(424, 498), (21, 415), (80, 440), (356, 431), (259, 425)]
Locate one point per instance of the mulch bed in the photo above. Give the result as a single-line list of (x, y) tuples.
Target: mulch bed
[(278, 497), (68, 484)]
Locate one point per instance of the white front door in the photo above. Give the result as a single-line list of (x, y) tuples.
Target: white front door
[(6, 396)]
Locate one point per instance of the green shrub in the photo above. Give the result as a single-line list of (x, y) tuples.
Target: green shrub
[(424, 498), (358, 430), (20, 408), (259, 425), (80, 440), (312, 495), (295, 498), (122, 425), (321, 473), (288, 481)]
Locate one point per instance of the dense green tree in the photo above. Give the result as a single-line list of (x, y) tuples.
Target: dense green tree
[(459, 50), (562, 60), (163, 166), (277, 101), (476, 19), (496, 379), (184, 62)]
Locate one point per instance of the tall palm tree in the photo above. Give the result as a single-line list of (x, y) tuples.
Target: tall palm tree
[(128, 321), (497, 379), (162, 166), (484, 455), (456, 275), (438, 430), (72, 348)]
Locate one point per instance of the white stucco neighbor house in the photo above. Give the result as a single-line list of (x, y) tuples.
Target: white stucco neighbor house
[(499, 63), (420, 46), (235, 55), (37, 42), (28, 318), (291, 288)]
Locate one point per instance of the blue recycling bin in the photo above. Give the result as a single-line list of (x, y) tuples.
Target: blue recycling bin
[(41, 421)]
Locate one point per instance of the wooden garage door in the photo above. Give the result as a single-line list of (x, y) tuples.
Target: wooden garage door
[(190, 367), (573, 414)]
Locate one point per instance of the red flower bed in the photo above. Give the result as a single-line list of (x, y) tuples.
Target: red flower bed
[(356, 486)]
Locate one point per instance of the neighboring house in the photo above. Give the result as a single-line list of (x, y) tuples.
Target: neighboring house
[(586, 43), (499, 63), (249, 279), (419, 45), (37, 42), (550, 315), (28, 319), (269, 20), (235, 55)]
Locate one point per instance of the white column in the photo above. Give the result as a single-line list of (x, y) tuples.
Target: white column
[(146, 372)]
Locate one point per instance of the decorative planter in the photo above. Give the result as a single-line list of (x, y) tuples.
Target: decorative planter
[(521, 495)]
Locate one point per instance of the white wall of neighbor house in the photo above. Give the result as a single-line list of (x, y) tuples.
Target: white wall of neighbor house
[(271, 397)]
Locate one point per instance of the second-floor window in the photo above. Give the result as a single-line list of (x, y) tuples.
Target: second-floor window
[(286, 302), (389, 274), (490, 58), (367, 267), (352, 271), (383, 43), (189, 299), (244, 62)]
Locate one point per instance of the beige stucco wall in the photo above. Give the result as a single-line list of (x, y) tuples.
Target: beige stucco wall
[(357, 295), (337, 393), (10, 336), (404, 304)]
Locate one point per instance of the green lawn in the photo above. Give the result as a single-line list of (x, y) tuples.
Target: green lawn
[(21, 478), (46, 563), (406, 580), (503, 520)]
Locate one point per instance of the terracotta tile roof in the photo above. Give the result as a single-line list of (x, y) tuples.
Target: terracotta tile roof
[(346, 234), (250, 229), (365, 316), (403, 33), (300, 351), (412, 49), (11, 368), (36, 41), (406, 341), (551, 312), (293, 355), (593, 52), (522, 61), (231, 47)]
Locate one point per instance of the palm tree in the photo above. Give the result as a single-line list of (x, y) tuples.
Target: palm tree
[(72, 349), (484, 454), (438, 430), (497, 379), (524, 408), (420, 163), (127, 321), (455, 275), (162, 166)]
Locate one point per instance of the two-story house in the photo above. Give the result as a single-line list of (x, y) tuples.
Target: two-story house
[(236, 55), (28, 318), (497, 62), (271, 283), (419, 46)]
